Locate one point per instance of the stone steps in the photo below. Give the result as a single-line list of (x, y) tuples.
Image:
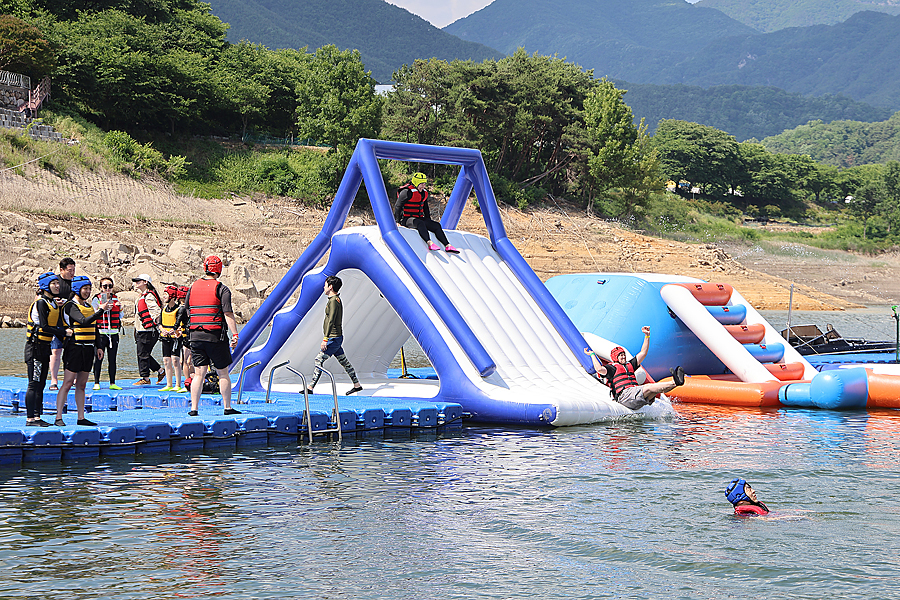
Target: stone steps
[(15, 120)]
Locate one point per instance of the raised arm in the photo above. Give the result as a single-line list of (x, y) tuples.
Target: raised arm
[(646, 345)]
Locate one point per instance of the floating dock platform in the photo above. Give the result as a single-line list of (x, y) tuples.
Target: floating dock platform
[(138, 420)]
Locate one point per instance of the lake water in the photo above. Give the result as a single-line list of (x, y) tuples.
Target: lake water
[(619, 510)]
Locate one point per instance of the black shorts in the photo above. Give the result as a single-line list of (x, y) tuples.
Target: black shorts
[(78, 358), (216, 353), (170, 347)]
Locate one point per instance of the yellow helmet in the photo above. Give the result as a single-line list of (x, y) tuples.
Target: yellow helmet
[(418, 178)]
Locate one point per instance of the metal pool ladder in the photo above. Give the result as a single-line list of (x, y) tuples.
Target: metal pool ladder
[(335, 415)]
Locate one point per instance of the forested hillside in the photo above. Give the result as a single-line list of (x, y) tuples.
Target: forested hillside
[(744, 112), (385, 35), (635, 40), (857, 58), (842, 143), (772, 15)]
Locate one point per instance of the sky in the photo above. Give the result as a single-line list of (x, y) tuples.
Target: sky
[(441, 14)]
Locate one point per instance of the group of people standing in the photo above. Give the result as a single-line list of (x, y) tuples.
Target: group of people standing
[(68, 324)]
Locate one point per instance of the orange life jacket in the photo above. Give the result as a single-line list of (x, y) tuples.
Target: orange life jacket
[(205, 307), (144, 312), (414, 207), (624, 377)]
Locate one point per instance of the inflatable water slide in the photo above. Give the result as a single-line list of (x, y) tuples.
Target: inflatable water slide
[(499, 342), (733, 356)]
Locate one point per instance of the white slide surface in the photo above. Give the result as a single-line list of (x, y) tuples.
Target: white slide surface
[(534, 365)]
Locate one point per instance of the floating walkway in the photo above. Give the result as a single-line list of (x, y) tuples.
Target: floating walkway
[(138, 420)]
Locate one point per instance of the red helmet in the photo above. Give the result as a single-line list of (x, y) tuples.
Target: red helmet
[(213, 264), (615, 352), (172, 290), (182, 292)]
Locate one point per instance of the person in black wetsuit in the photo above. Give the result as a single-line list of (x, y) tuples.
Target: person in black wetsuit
[(411, 210)]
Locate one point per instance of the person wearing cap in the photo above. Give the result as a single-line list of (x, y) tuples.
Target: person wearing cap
[(620, 376), (109, 328), (45, 323), (411, 210), (170, 340), (210, 319), (66, 274), (81, 348), (743, 498), (146, 332)]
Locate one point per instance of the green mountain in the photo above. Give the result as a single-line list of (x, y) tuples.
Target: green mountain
[(772, 15), (386, 36), (857, 58), (635, 40), (842, 143), (744, 112)]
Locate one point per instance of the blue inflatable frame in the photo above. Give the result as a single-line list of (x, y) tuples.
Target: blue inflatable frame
[(364, 168)]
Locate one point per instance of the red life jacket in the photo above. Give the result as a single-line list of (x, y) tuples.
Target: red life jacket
[(414, 207), (751, 509), (624, 377), (205, 307), (144, 312), (111, 319)]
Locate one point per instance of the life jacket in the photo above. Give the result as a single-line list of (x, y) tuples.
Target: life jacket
[(84, 334), (624, 377), (144, 312), (169, 317), (751, 509), (414, 207), (33, 331), (205, 307), (110, 322)]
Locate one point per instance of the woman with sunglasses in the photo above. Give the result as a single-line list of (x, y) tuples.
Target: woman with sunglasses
[(109, 326)]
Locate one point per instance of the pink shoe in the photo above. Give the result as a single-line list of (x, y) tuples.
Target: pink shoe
[(451, 249), (433, 246)]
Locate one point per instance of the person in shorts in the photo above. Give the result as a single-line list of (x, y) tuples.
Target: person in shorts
[(66, 273), (170, 339), (620, 376), (81, 348), (210, 318)]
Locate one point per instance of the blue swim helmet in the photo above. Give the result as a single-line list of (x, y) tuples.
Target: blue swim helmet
[(78, 282), (735, 491), (46, 279)]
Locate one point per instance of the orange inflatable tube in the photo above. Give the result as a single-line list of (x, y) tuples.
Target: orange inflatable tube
[(884, 390), (786, 371), (702, 390), (710, 294), (747, 334)]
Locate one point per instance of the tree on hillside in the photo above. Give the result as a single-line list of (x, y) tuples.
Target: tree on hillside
[(336, 101), (866, 202), (417, 110), (243, 74), (24, 49), (703, 155), (624, 158)]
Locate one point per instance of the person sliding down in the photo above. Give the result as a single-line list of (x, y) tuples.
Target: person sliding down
[(624, 384), (743, 498), (411, 210)]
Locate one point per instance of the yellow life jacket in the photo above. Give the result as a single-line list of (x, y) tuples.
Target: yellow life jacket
[(84, 334), (168, 317), (53, 320)]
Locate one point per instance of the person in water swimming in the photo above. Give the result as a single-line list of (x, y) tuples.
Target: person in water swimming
[(743, 498), (620, 376)]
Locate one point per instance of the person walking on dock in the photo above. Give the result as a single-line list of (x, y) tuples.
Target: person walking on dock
[(411, 210), (623, 382), (209, 312), (333, 338)]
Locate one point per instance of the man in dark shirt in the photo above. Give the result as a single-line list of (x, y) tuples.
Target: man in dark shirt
[(620, 376), (333, 337), (209, 311), (66, 274)]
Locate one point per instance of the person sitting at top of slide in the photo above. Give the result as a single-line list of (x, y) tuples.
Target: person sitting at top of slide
[(623, 382), (743, 498), (411, 210)]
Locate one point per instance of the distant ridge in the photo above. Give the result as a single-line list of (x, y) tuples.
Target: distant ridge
[(386, 36), (772, 15), (635, 40)]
